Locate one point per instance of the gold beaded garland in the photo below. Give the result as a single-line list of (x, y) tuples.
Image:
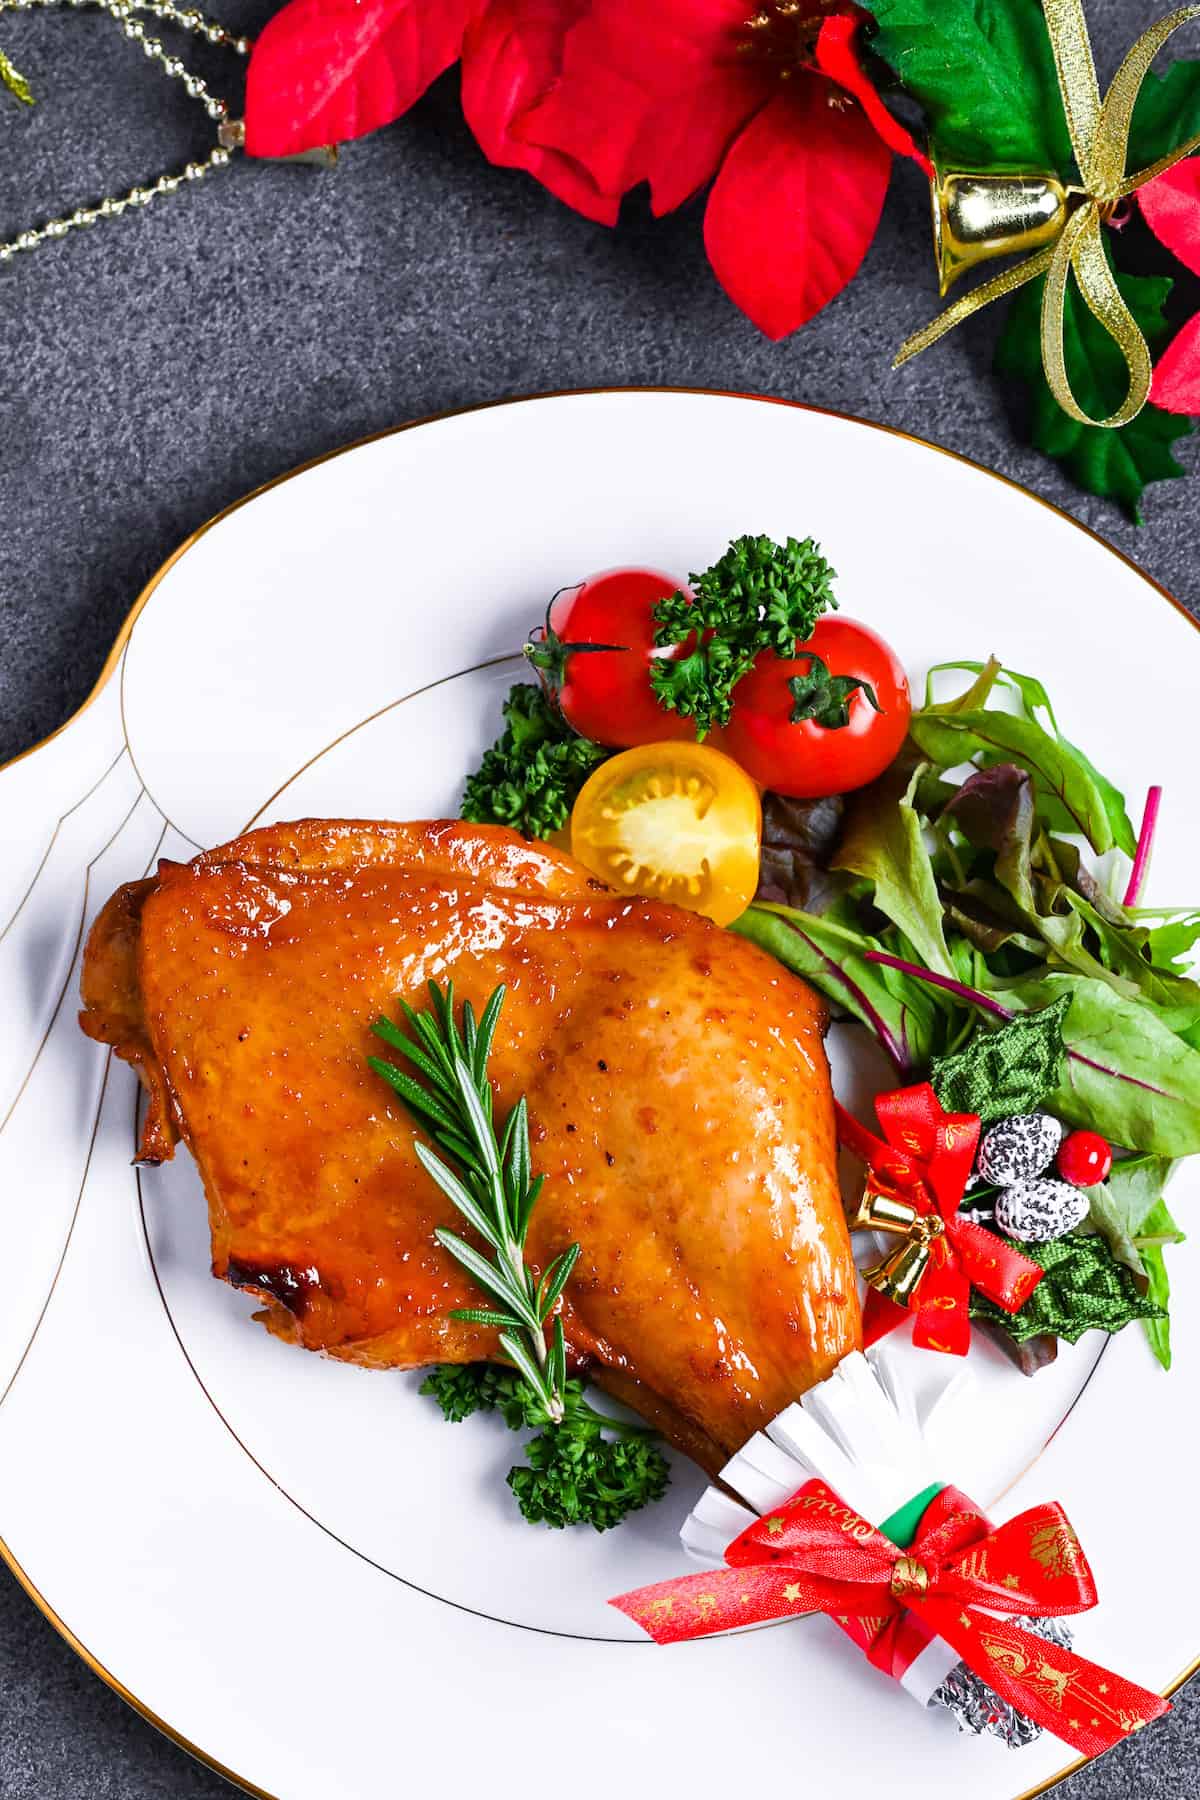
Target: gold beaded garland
[(229, 131)]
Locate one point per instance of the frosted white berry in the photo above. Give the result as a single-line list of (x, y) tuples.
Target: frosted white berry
[(1036, 1211), (1018, 1149)]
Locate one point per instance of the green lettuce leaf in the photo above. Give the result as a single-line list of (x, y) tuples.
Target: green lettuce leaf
[(1161, 1227), (1128, 1076), (883, 841), (1061, 774), (902, 1015)]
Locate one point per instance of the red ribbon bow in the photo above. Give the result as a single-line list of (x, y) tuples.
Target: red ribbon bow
[(816, 1555), (927, 1161)]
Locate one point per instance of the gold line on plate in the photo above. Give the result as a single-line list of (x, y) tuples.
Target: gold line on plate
[(87, 881), (303, 468), (99, 782), (83, 1181)]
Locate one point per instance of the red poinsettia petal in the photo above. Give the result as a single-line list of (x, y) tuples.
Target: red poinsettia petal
[(837, 57), (1171, 208), (1177, 377), (650, 93), (512, 55), (794, 209), (326, 70)]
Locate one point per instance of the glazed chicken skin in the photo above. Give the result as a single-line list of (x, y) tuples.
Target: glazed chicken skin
[(678, 1092)]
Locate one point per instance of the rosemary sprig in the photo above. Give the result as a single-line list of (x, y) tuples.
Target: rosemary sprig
[(489, 1181)]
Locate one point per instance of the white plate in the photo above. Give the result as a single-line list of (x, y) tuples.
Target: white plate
[(292, 1566)]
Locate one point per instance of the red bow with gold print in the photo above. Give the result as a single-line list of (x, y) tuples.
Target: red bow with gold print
[(926, 1161), (816, 1555)]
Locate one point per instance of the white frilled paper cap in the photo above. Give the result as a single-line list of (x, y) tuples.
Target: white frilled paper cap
[(871, 1438)]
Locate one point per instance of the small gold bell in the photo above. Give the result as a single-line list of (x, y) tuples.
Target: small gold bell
[(991, 213), (902, 1270), (877, 1211)]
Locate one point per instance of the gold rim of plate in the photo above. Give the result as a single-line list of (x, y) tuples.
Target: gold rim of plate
[(110, 665)]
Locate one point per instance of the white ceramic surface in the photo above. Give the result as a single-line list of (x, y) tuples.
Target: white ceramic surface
[(294, 1566)]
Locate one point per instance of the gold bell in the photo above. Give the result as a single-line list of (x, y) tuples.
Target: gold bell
[(877, 1211), (980, 215), (902, 1270)]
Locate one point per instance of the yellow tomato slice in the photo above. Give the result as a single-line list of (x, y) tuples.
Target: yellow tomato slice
[(672, 821)]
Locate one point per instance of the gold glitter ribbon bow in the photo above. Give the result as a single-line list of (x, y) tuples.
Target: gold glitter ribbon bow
[(1100, 139)]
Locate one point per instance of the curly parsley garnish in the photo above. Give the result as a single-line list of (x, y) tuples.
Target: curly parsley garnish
[(760, 596), (529, 778), (587, 1470)]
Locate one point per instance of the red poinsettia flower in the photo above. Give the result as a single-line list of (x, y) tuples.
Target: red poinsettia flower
[(1171, 208), (774, 105), (595, 96), (324, 71)]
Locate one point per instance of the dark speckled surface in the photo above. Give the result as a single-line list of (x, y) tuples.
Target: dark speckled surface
[(156, 369)]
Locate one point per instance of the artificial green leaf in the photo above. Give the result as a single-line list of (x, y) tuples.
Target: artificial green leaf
[(1167, 114), (1084, 1288), (12, 78), (984, 72), (1120, 1206), (1127, 1075), (883, 841), (1116, 464), (1009, 1070), (900, 1013)]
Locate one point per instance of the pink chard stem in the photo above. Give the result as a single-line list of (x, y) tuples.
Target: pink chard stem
[(971, 995), (1145, 843)]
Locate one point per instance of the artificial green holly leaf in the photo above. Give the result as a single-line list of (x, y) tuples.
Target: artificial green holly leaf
[(1083, 1289), (1008, 1071), (984, 72), (1167, 114), (1115, 464), (12, 78)]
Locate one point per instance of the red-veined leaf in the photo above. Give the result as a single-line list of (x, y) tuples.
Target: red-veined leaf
[(795, 206), (327, 70)]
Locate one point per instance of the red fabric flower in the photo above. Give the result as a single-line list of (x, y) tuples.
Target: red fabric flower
[(1171, 208), (595, 96), (324, 71), (685, 90)]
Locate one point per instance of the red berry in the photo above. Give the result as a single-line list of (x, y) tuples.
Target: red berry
[(1084, 1158)]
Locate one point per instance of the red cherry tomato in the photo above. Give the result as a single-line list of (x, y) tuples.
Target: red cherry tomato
[(1084, 1158), (827, 721), (596, 650)]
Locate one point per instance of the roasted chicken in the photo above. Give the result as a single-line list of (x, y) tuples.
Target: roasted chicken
[(676, 1079)]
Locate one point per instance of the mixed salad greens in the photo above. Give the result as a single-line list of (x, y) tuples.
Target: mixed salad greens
[(947, 875)]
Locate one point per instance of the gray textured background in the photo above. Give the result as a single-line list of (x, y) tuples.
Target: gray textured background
[(156, 369)]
